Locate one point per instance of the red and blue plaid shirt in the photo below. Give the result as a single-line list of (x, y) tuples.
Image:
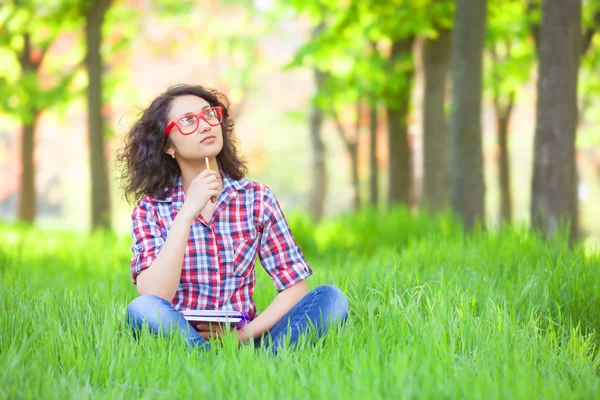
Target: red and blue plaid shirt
[(218, 265)]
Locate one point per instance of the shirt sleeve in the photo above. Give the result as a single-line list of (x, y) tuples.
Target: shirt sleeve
[(279, 254), (147, 238)]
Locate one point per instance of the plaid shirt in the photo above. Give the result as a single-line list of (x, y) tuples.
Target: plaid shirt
[(218, 265)]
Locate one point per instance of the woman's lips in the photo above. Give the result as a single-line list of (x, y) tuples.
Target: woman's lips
[(208, 139)]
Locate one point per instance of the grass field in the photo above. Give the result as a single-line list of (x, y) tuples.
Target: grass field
[(434, 313)]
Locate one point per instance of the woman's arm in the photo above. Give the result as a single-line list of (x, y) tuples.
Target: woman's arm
[(274, 312), (162, 277), (283, 260)]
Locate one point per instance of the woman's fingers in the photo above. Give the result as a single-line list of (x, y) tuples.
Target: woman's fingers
[(206, 326), (215, 327), (205, 335)]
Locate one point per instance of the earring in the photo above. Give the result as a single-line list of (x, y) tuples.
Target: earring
[(173, 155)]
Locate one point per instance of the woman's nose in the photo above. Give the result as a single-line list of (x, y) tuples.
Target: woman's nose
[(203, 126)]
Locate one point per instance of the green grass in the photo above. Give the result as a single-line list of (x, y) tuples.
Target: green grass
[(434, 313)]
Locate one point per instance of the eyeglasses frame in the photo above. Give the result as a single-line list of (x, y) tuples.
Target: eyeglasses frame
[(198, 116)]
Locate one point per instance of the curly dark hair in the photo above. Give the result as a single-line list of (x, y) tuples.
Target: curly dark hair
[(145, 167)]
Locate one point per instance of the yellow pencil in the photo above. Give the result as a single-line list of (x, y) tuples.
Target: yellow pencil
[(212, 199)]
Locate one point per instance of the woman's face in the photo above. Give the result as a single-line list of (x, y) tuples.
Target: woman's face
[(205, 141)]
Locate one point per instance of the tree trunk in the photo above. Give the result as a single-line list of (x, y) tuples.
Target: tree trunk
[(27, 195), (554, 189), (436, 62), (504, 163), (373, 182), (503, 110), (400, 168), (352, 146), (319, 181), (353, 150), (467, 187), (101, 212)]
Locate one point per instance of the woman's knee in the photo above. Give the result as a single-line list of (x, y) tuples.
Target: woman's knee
[(335, 299), (143, 307)]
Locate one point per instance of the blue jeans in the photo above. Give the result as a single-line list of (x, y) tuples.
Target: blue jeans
[(322, 307)]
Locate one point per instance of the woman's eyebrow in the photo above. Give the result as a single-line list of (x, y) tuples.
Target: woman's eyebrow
[(192, 113)]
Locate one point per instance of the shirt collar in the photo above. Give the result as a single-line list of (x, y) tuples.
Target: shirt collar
[(230, 185)]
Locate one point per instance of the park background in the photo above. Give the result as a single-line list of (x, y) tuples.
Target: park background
[(245, 49), (399, 139)]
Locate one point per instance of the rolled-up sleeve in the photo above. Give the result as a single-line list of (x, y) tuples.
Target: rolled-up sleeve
[(279, 254), (147, 238)]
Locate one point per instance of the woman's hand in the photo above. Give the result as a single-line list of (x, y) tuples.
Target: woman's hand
[(206, 185), (213, 330)]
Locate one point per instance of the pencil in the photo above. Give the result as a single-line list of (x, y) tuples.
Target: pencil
[(212, 199)]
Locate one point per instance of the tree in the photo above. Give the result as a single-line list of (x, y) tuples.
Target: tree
[(436, 64), (511, 56), (435, 58), (319, 183), (100, 188), (373, 160), (334, 92), (552, 210), (399, 23), (401, 68), (350, 37), (373, 164), (350, 141), (28, 86), (554, 174), (467, 188)]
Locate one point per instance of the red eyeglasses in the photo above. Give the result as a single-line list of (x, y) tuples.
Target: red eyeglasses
[(189, 123)]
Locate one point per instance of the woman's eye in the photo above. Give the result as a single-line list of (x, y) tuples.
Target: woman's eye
[(211, 114), (187, 121)]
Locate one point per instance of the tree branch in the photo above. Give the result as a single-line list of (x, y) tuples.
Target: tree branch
[(340, 129), (495, 78), (502, 110), (357, 128), (509, 105), (589, 33), (25, 56), (43, 51)]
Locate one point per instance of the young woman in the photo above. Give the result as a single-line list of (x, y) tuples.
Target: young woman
[(198, 226)]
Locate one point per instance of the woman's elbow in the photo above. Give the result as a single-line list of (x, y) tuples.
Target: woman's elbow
[(299, 289), (146, 286)]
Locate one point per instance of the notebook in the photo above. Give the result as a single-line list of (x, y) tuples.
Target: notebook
[(232, 317)]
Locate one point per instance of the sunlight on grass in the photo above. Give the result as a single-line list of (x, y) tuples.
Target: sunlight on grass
[(435, 313)]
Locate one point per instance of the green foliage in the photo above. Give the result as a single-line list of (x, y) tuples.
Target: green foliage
[(368, 231), (510, 47), (589, 81), (441, 314), (351, 47), (31, 80), (121, 28), (234, 50)]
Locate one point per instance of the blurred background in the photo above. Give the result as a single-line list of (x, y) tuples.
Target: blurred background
[(339, 105)]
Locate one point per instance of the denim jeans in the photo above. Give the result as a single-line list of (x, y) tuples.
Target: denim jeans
[(322, 308)]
